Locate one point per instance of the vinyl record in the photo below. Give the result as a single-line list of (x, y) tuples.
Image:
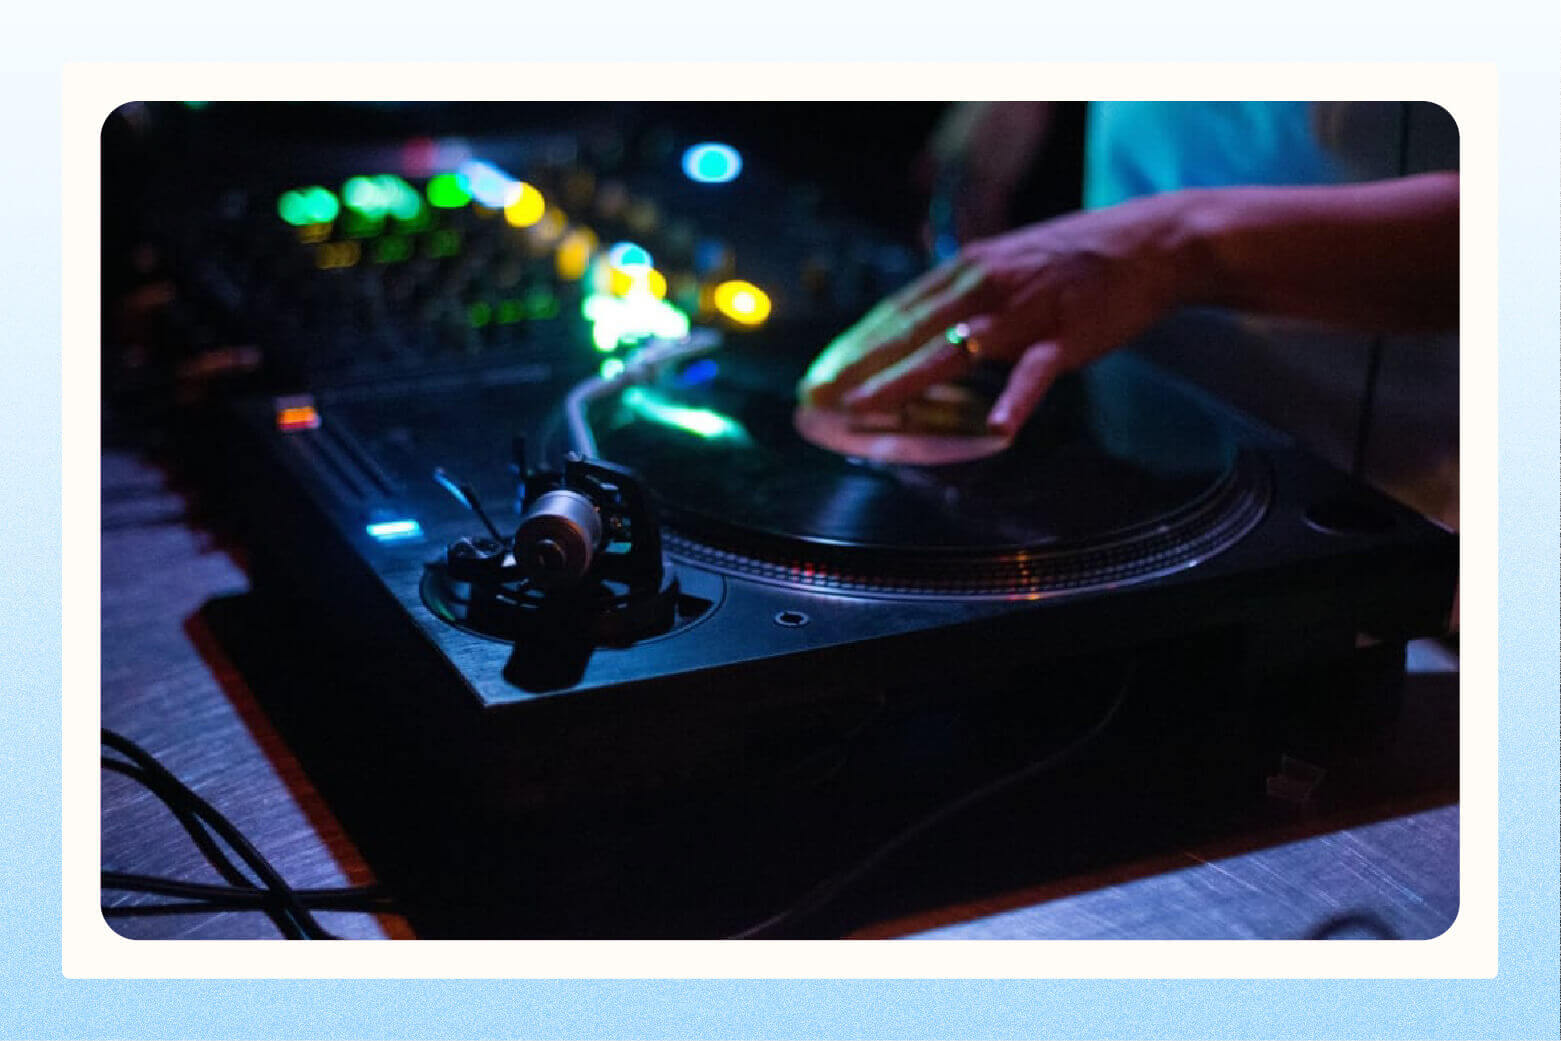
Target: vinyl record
[(1118, 476)]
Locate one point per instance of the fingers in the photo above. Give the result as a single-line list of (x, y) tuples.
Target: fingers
[(892, 313), (893, 330), (937, 360), (919, 324), (930, 282), (1036, 371)]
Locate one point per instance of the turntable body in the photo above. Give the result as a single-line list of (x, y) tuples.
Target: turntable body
[(1133, 513)]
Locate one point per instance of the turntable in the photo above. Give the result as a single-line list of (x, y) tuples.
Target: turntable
[(625, 637), (550, 586)]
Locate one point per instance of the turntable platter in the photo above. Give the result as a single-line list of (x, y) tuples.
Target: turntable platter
[(1120, 476)]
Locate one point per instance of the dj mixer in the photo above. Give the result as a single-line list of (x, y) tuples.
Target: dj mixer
[(331, 262)]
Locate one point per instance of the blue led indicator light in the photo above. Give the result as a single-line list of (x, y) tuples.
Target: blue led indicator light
[(395, 530), (712, 163), (702, 371)]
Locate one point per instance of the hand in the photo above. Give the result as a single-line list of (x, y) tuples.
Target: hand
[(1048, 298)]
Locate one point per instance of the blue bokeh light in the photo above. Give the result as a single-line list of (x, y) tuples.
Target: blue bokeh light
[(488, 184), (712, 163), (702, 371), (626, 256)]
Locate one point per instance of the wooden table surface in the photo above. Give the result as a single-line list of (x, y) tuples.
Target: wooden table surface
[(1380, 859)]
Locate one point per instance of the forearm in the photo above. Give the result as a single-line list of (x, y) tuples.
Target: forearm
[(1380, 255)]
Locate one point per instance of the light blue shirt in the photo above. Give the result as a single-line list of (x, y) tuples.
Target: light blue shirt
[(1306, 380), (1134, 148)]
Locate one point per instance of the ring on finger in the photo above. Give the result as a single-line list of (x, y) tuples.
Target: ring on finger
[(960, 336)]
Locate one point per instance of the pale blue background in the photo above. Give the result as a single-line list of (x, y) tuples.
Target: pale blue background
[(35, 1000)]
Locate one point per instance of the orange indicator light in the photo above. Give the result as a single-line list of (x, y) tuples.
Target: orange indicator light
[(291, 418)]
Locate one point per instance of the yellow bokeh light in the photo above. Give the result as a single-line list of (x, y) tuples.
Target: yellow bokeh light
[(742, 302), (574, 254), (623, 281), (657, 283), (331, 255), (526, 206)]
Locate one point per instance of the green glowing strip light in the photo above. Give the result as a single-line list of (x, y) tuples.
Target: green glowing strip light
[(702, 422)]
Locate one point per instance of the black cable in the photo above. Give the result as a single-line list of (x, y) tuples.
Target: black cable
[(215, 855), (1368, 402), (244, 895), (1365, 920), (174, 798), (831, 887), (177, 798), (301, 924), (1374, 357), (213, 906), (166, 782), (204, 898)]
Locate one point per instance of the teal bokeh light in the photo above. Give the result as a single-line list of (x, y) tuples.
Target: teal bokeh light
[(712, 163), (312, 205), (628, 256)]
